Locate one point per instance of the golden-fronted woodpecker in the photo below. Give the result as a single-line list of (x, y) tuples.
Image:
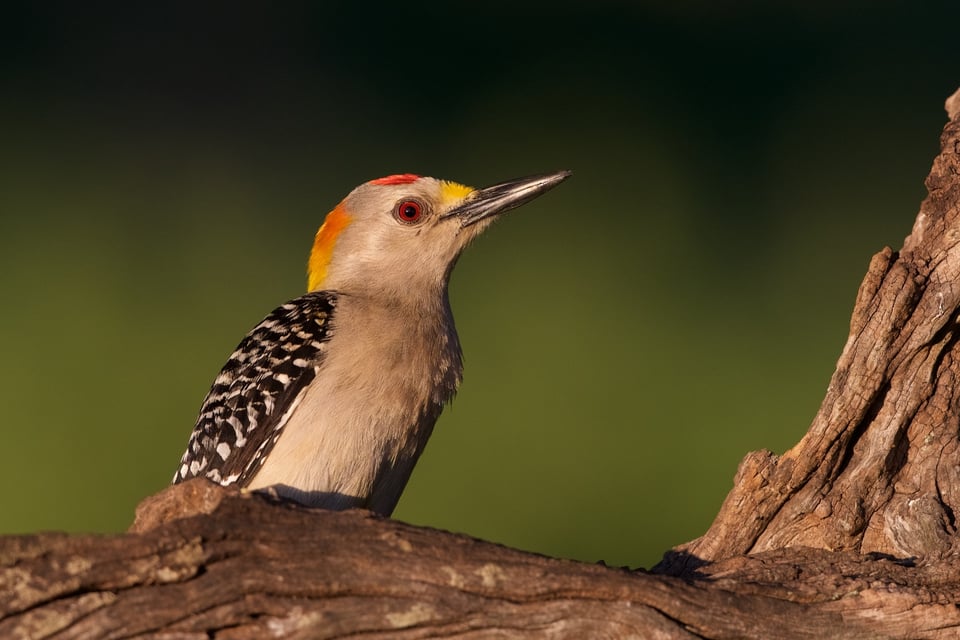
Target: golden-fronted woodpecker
[(330, 400)]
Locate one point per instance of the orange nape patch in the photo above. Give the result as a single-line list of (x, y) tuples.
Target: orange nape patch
[(323, 243), (400, 178)]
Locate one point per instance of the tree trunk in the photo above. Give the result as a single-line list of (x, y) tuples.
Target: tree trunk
[(850, 534)]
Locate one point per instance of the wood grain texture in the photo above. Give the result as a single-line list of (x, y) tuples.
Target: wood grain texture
[(879, 469), (850, 534), (243, 566)]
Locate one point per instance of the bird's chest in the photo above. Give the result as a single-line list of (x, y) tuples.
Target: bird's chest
[(366, 417)]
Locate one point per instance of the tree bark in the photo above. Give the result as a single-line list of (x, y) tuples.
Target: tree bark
[(850, 534)]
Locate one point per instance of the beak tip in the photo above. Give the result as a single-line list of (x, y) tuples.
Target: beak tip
[(557, 176), (548, 181)]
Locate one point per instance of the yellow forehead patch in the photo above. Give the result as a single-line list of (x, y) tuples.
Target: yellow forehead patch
[(452, 192)]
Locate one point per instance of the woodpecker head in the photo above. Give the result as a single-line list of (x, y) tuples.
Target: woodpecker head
[(393, 235)]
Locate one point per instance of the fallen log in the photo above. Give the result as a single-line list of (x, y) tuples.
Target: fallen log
[(852, 533)]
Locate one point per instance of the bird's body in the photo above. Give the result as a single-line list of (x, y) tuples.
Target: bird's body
[(404, 410), (331, 399)]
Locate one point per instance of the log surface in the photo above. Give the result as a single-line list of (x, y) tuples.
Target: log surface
[(852, 533), (243, 566)]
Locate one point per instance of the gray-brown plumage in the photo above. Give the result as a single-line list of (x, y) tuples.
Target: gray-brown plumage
[(330, 400)]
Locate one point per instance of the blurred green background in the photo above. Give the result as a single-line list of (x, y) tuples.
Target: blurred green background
[(628, 338)]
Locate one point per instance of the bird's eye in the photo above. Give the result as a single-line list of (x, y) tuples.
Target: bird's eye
[(409, 211)]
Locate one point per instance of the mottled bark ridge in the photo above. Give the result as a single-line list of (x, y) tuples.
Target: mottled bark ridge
[(852, 533), (879, 469)]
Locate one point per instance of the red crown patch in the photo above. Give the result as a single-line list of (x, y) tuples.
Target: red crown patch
[(400, 178)]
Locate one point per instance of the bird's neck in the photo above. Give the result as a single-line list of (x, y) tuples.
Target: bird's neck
[(411, 331), (428, 299)]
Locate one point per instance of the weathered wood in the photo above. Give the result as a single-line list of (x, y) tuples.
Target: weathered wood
[(879, 468), (850, 534), (242, 566)]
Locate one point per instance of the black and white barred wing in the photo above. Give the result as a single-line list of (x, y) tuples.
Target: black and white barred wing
[(257, 390)]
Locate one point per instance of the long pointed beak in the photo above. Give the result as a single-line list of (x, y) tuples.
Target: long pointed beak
[(502, 197)]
